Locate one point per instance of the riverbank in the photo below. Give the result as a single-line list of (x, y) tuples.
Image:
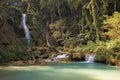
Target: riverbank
[(50, 55)]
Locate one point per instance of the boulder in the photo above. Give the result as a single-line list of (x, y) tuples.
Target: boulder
[(18, 63)]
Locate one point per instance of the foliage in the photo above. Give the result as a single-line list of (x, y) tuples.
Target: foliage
[(104, 51), (57, 29), (103, 54), (14, 53), (35, 21), (91, 47), (79, 24), (82, 16), (112, 25)]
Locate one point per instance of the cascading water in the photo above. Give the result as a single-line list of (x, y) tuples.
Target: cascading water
[(89, 58), (26, 30)]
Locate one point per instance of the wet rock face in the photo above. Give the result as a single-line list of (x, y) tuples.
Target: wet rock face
[(7, 34)]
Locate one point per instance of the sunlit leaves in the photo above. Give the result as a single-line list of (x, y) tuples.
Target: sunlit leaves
[(113, 25), (57, 28)]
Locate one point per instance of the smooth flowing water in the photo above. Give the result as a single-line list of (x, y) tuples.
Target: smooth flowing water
[(69, 71), (26, 30)]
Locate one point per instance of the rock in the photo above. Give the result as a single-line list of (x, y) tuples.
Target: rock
[(64, 60), (118, 64), (7, 32), (29, 50), (39, 61), (30, 62), (76, 55), (114, 61), (7, 35), (18, 63)]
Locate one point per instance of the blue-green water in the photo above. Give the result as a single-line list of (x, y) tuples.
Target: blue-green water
[(70, 71)]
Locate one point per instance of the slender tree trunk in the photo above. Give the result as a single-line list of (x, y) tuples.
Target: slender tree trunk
[(115, 1), (28, 7), (47, 41), (46, 35), (58, 8)]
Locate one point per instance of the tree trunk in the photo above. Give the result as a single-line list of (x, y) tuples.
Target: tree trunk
[(115, 1), (46, 35), (58, 8), (47, 41)]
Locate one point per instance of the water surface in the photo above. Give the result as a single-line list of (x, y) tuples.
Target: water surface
[(70, 71)]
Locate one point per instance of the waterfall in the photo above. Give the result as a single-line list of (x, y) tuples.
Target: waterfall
[(62, 56), (89, 58), (26, 30)]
